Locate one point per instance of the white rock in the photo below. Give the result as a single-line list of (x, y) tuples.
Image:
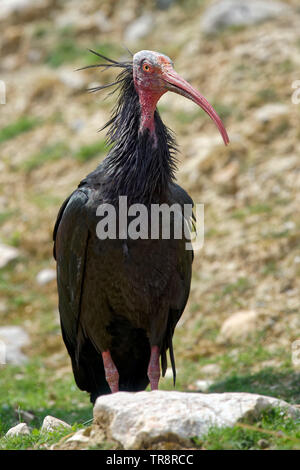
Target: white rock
[(102, 21), (139, 28), (83, 23), (51, 423), (79, 436), (9, 7), (17, 430), (289, 225), (226, 13), (71, 79), (238, 325), (7, 254), (270, 111), (133, 419), (211, 369), (12, 339), (203, 385), (34, 55), (45, 276)]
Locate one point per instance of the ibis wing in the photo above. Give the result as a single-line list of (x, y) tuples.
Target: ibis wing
[(70, 246), (184, 270), (179, 195)]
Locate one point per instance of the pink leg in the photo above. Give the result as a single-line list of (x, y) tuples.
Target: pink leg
[(153, 368), (111, 372)]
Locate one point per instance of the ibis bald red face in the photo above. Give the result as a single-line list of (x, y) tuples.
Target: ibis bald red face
[(154, 75)]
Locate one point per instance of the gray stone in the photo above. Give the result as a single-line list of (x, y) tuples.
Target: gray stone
[(79, 436), (203, 385), (136, 420), (25, 415), (225, 13), (11, 6), (270, 111), (18, 430), (71, 79), (7, 254), (12, 339), (238, 326), (211, 370), (139, 28), (24, 9), (45, 276), (51, 423)]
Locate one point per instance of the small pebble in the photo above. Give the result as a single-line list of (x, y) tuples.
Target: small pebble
[(18, 430)]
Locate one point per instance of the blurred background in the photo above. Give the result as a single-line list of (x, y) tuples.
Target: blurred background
[(242, 317)]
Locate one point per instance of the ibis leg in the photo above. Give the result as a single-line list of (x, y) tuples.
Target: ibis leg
[(153, 368), (111, 372)]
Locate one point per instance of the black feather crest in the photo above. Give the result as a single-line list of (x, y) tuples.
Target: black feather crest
[(111, 63), (136, 165)]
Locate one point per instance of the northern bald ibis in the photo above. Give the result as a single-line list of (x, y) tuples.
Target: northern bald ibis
[(120, 299)]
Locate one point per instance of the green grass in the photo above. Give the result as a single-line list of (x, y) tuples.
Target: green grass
[(45, 200), (36, 439), (40, 31), (271, 382), (88, 152), (267, 95), (258, 209), (49, 153), (233, 290), (111, 50), (66, 50), (6, 215), (274, 430), (223, 110), (60, 150), (270, 268), (286, 66), (24, 124), (240, 286), (34, 388), (184, 117), (188, 117)]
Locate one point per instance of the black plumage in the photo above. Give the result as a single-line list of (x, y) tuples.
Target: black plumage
[(116, 295)]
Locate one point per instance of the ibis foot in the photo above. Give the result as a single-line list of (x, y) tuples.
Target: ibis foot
[(153, 368), (111, 372)]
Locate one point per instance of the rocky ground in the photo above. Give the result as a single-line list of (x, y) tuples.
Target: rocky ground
[(242, 319)]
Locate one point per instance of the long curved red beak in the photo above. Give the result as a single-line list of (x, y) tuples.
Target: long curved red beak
[(178, 85)]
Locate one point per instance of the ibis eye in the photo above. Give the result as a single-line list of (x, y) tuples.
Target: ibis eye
[(146, 67)]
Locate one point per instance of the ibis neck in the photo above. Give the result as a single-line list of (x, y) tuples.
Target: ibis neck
[(141, 164), (148, 102)]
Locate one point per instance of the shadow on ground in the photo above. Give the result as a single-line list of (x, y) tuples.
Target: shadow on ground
[(283, 385)]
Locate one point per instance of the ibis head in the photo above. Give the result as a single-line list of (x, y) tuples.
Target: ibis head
[(153, 76)]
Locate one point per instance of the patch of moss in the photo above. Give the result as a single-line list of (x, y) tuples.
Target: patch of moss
[(24, 124)]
